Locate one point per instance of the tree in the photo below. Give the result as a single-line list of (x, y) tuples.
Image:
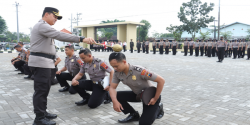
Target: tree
[(103, 31), (194, 16), (109, 35), (143, 30), (3, 26), (205, 35), (176, 31), (226, 35)]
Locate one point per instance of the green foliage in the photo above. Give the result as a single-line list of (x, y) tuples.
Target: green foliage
[(156, 34), (143, 30), (109, 35), (205, 35), (227, 35), (13, 36), (176, 31), (194, 16), (112, 29), (3, 26)]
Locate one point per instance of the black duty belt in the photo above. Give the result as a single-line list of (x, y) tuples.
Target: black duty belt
[(42, 55)]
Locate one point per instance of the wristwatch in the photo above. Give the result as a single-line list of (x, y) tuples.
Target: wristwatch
[(81, 38)]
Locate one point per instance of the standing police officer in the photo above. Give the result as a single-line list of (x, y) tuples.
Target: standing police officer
[(185, 47), (166, 46), (248, 49), (147, 46), (202, 46), (197, 47), (131, 46), (143, 46), (214, 44), (221, 47), (230, 48), (209, 48), (243, 48), (138, 45), (154, 44), (174, 46), (160, 46), (235, 48), (190, 46), (41, 60)]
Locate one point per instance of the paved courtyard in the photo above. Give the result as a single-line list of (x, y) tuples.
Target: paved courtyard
[(198, 91)]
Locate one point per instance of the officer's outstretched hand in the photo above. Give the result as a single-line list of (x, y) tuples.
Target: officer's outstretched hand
[(58, 72), (89, 40), (74, 82), (152, 101), (117, 106)]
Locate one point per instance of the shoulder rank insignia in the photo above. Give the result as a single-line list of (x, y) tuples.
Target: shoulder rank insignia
[(138, 69)]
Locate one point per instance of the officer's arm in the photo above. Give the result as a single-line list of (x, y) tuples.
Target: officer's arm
[(112, 91), (58, 60), (78, 76), (160, 84), (63, 69), (111, 77)]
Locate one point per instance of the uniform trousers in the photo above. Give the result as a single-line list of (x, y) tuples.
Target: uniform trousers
[(98, 94), (205, 51), (230, 52), (235, 52), (19, 65), (124, 48), (248, 53), (202, 50), (191, 50), (243, 52), (143, 49), (221, 53), (185, 50), (149, 113), (167, 50), (131, 49), (196, 51), (154, 49), (147, 49), (138, 49), (209, 51), (174, 50), (213, 51), (239, 52), (161, 49)]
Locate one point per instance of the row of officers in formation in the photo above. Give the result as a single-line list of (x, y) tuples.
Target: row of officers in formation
[(77, 66), (208, 47)]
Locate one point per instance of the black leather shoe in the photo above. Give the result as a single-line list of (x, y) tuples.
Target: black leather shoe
[(161, 112), (28, 77), (132, 117), (107, 101), (219, 61), (32, 77), (83, 102), (16, 70), (64, 89), (43, 121), (50, 116), (20, 73)]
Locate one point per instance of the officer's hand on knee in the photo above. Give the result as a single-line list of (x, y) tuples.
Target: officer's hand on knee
[(152, 101), (75, 83), (58, 72)]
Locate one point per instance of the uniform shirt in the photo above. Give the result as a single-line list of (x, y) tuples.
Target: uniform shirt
[(230, 45), (235, 45), (22, 54), (174, 43), (221, 44), (244, 44), (138, 44), (202, 44), (196, 44), (166, 43), (143, 44), (240, 44), (42, 41), (147, 43), (191, 43), (137, 79), (96, 70), (209, 44), (154, 44), (185, 43), (131, 44), (248, 44), (73, 64), (205, 44), (161, 43), (214, 44)]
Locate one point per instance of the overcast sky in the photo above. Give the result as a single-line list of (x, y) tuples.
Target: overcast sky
[(160, 13)]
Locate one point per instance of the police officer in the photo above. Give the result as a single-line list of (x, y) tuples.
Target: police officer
[(166, 46), (202, 46), (243, 48), (137, 78), (230, 48), (73, 65), (248, 49), (240, 49), (131, 46), (147, 46), (143, 46), (102, 47), (160, 46), (174, 46), (95, 47), (138, 45), (235, 48), (41, 60), (185, 47), (98, 46), (209, 48), (197, 47), (205, 47), (154, 44), (214, 44), (19, 62), (96, 69), (221, 47), (124, 46), (190, 46)]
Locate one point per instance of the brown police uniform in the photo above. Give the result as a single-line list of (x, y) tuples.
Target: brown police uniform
[(137, 80), (97, 71)]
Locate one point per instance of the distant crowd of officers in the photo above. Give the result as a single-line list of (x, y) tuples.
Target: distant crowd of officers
[(209, 47)]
